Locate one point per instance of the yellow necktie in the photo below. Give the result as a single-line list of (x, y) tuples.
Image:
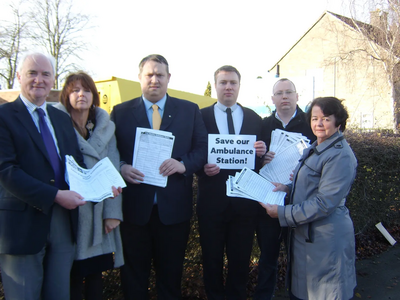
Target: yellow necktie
[(156, 117)]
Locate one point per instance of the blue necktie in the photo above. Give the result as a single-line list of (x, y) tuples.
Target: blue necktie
[(231, 129), (51, 149)]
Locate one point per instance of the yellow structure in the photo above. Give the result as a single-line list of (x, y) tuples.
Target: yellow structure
[(117, 90)]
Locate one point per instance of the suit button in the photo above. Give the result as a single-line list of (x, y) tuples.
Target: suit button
[(52, 181)]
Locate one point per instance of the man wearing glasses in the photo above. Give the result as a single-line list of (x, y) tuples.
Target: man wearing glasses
[(289, 117)]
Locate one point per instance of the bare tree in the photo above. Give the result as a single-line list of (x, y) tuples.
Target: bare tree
[(378, 42), (11, 39), (59, 30)]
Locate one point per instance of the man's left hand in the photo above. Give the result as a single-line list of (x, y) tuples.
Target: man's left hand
[(272, 210), (116, 191), (261, 148), (172, 166)]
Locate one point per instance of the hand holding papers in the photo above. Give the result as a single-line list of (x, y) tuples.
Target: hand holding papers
[(93, 184), (288, 148), (152, 148)]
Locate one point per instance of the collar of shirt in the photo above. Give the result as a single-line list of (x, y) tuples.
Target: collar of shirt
[(223, 107), (149, 110), (31, 109), (220, 118), (283, 123), (35, 117)]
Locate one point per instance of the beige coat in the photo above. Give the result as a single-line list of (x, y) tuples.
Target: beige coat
[(92, 240)]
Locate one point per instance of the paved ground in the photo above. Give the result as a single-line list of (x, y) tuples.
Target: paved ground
[(378, 278)]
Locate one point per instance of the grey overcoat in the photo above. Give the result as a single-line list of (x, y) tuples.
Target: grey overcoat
[(91, 239), (321, 234)]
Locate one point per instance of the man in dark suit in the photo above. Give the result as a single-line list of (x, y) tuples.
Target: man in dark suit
[(226, 222), (37, 216), (156, 220), (289, 117)]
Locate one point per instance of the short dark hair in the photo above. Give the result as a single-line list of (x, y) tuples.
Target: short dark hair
[(153, 57), (331, 106), (226, 68), (280, 80)]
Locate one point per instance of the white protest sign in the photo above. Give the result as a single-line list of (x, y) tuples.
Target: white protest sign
[(230, 151)]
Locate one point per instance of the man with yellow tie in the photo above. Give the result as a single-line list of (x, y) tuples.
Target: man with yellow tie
[(156, 220)]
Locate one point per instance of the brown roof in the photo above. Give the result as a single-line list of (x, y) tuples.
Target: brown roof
[(371, 32), (375, 34), (11, 95)]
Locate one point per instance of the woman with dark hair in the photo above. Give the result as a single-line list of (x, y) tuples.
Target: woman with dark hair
[(321, 243), (98, 231)]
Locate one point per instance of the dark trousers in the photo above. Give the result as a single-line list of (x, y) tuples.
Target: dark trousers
[(268, 238), (165, 245), (93, 287), (45, 275), (234, 232), (293, 297)]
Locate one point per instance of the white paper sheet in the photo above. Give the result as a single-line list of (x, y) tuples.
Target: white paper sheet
[(288, 148), (283, 164), (230, 151), (93, 184), (251, 183), (152, 148), (232, 192)]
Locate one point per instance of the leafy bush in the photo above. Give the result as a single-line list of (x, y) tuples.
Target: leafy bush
[(374, 196)]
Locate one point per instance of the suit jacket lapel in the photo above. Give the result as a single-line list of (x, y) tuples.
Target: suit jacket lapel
[(139, 113), (246, 122), (169, 114), (209, 119), (25, 118), (57, 130)]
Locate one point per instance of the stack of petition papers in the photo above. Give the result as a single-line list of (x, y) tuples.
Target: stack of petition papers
[(248, 184), (288, 148), (93, 184), (152, 148)]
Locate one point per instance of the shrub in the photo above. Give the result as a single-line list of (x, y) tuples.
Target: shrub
[(374, 198)]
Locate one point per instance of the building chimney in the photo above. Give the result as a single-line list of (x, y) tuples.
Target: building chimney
[(379, 19)]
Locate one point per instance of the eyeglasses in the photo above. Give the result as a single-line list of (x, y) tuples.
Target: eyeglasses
[(287, 93)]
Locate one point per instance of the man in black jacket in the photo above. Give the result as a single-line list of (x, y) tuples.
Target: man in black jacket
[(227, 223), (289, 117)]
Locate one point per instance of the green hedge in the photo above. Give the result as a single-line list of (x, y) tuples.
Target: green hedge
[(374, 198)]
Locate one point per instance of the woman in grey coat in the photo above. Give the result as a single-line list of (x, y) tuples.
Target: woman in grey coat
[(321, 258), (98, 226)]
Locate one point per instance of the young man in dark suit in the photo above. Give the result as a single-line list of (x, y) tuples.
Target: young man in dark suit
[(37, 211), (289, 117), (156, 220), (227, 223)]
